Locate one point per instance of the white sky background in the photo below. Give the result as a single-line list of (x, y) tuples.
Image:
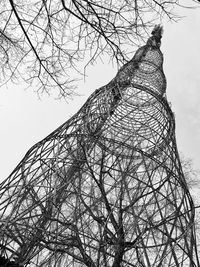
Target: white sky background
[(25, 120)]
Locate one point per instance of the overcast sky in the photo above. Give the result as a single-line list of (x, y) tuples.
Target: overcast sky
[(26, 120)]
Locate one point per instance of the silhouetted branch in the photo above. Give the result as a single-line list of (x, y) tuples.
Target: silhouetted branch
[(43, 42)]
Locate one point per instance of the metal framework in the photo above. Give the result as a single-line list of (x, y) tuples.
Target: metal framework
[(106, 188)]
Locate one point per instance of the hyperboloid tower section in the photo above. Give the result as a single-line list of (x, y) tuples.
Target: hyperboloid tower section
[(105, 189)]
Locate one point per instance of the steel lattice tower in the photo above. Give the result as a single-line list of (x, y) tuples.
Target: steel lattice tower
[(106, 188)]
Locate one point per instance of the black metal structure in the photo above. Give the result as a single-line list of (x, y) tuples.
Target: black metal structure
[(106, 188)]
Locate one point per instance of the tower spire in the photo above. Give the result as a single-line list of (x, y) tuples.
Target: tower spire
[(155, 39)]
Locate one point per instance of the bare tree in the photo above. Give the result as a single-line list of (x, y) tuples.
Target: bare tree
[(44, 41), (192, 175), (190, 172)]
